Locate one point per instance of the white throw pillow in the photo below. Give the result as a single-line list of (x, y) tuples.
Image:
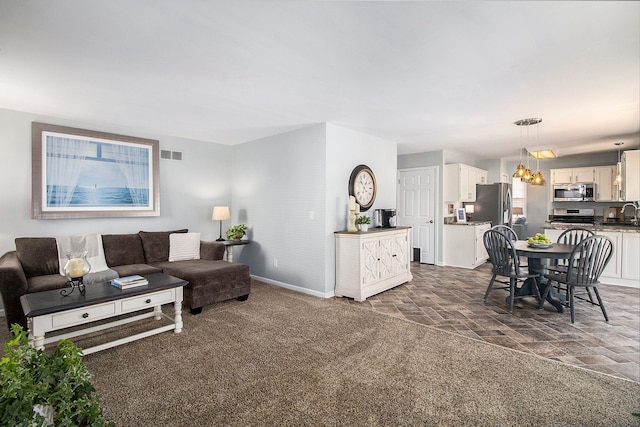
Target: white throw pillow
[(183, 246)]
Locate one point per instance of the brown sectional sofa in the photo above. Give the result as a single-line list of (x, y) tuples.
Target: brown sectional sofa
[(33, 267)]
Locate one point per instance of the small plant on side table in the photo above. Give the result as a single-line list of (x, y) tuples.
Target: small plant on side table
[(236, 232), (57, 386)]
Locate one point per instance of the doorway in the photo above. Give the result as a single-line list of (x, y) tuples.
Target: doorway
[(417, 195)]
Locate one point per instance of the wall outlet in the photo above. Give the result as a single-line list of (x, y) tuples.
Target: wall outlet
[(275, 262)]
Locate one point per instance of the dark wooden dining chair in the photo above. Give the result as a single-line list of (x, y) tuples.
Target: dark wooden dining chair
[(570, 236), (584, 267), (505, 264), (507, 231)]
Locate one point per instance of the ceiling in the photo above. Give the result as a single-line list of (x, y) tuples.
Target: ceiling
[(432, 75)]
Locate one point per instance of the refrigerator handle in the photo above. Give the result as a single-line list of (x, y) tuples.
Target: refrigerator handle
[(510, 220)]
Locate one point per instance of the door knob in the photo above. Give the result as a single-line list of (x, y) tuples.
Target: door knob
[(430, 221)]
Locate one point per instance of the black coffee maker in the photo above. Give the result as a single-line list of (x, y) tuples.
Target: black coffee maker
[(385, 218)]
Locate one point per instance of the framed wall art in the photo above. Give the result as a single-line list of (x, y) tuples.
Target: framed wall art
[(461, 215), (79, 173)]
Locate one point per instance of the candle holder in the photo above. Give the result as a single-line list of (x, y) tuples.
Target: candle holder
[(352, 220), (75, 269)]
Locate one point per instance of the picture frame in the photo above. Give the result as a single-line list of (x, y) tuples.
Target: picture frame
[(461, 215), (79, 173)]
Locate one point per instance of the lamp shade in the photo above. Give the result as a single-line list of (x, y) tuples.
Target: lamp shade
[(517, 210), (221, 213)]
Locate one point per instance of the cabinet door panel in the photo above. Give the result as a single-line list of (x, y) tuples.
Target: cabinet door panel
[(613, 268), (630, 256), (386, 257), (583, 175), (370, 255)]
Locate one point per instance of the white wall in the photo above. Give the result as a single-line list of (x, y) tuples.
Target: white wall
[(188, 188), (281, 182)]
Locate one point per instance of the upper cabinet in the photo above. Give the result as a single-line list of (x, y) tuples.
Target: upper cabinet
[(570, 176), (602, 176), (460, 182), (606, 190), (631, 175)]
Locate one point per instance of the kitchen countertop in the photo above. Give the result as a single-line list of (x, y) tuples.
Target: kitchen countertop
[(595, 227), (469, 223)]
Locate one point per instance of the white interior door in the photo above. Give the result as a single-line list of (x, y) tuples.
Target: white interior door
[(416, 208)]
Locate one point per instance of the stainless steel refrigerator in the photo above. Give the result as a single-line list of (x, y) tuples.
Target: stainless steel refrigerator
[(493, 203)]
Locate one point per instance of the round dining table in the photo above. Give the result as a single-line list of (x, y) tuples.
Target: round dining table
[(535, 257)]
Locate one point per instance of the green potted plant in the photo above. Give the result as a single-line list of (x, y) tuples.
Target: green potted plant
[(362, 222), (236, 232), (37, 389)]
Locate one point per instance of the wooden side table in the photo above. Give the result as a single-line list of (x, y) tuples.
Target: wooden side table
[(229, 244)]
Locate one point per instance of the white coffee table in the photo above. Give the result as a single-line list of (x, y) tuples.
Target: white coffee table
[(49, 311)]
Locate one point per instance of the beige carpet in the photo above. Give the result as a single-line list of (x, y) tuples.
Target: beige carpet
[(284, 358)]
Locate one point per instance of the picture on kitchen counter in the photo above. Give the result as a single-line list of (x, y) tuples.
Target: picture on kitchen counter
[(461, 215), (80, 173)]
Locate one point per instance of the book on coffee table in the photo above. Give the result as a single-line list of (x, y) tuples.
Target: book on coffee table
[(129, 282)]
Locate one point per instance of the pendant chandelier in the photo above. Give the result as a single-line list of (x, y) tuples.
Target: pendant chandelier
[(538, 178), (522, 172)]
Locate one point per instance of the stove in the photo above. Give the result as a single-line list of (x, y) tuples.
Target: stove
[(573, 216)]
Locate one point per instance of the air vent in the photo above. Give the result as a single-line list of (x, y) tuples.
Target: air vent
[(171, 155)]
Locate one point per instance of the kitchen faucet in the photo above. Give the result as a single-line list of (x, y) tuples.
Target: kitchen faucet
[(636, 207)]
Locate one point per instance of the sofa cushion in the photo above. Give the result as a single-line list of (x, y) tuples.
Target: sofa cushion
[(209, 281), (38, 255), (123, 249), (184, 246), (156, 244), (140, 269), (46, 282)]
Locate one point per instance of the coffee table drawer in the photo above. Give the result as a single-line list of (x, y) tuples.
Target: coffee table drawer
[(148, 300), (83, 315)]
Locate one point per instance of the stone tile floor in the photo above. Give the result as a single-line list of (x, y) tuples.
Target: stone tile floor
[(451, 299)]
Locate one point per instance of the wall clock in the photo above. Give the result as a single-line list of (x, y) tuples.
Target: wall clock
[(362, 186)]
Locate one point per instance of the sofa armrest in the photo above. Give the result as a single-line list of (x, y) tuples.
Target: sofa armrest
[(211, 251), (13, 284)]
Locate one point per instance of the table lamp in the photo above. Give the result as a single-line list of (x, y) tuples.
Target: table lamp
[(221, 213)]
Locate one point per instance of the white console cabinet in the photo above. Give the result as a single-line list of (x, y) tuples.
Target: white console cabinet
[(371, 262)]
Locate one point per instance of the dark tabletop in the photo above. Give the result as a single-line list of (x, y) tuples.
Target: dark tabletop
[(556, 251), (47, 302)]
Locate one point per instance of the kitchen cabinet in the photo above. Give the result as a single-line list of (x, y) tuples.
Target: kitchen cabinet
[(463, 244), (623, 268), (605, 178), (460, 182), (614, 268), (631, 175), (573, 175), (371, 262), (481, 175), (630, 255)]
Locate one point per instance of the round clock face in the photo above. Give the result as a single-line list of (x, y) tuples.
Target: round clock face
[(362, 185)]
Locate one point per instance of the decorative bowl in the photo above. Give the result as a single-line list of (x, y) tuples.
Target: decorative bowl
[(539, 245)]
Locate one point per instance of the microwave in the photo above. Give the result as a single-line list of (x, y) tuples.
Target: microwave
[(578, 192)]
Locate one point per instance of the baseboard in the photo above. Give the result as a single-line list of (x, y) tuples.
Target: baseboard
[(294, 288)]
